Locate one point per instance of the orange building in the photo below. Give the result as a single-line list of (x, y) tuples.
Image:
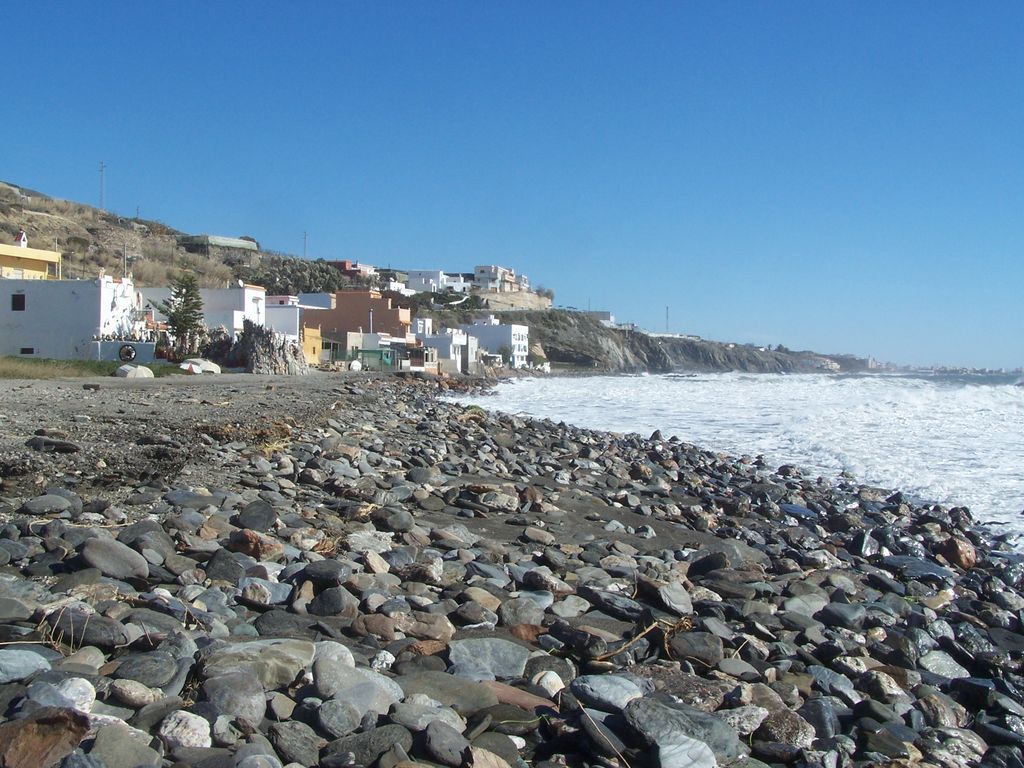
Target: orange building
[(363, 311)]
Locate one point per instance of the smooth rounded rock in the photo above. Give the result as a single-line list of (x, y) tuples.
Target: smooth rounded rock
[(184, 729), (114, 559)]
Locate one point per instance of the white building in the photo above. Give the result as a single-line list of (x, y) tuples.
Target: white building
[(488, 277), (317, 300), (457, 351), (437, 281), (284, 313), (284, 316), (397, 286), (222, 307), (73, 319), (495, 337)]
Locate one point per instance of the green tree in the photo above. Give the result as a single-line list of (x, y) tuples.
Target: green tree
[(184, 312)]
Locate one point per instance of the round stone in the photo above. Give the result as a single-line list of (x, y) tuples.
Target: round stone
[(114, 559), (184, 729)]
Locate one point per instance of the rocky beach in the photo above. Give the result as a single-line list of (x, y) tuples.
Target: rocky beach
[(345, 570)]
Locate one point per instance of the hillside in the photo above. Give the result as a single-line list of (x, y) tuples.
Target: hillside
[(579, 340), (92, 239)]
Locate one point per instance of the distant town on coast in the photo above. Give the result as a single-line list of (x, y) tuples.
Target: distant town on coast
[(88, 284)]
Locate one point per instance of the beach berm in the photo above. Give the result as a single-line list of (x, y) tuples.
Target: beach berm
[(348, 570)]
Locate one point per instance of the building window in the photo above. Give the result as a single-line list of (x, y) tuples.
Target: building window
[(18, 302), (27, 351)]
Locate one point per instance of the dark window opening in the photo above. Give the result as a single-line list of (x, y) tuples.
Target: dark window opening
[(18, 302), (27, 351)]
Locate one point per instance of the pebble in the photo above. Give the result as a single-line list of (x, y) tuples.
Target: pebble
[(407, 582)]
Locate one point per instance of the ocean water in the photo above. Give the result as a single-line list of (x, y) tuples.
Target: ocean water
[(957, 440)]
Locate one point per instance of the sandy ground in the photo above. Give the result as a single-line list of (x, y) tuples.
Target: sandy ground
[(133, 431)]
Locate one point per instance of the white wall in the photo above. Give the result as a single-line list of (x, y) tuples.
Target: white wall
[(227, 307), (61, 318), (436, 280), (284, 319), (494, 337)]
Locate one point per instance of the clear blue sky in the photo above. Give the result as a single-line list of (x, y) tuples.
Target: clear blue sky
[(845, 177)]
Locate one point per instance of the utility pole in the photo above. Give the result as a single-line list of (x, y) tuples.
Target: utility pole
[(666, 319), (103, 167), (305, 240)]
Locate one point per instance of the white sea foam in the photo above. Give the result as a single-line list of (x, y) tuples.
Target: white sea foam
[(955, 440)]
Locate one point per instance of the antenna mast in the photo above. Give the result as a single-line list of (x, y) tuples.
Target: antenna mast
[(103, 167)]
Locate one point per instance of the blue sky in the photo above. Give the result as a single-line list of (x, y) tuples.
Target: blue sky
[(845, 177)]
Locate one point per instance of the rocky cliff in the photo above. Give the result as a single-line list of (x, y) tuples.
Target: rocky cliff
[(577, 339)]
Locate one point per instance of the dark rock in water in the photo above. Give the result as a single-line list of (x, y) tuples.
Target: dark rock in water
[(659, 722)]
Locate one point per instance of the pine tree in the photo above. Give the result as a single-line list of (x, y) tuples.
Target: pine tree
[(184, 312)]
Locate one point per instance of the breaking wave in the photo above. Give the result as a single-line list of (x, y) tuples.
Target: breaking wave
[(951, 439)]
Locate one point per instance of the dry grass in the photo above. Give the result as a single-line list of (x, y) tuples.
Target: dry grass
[(24, 368), (19, 368)]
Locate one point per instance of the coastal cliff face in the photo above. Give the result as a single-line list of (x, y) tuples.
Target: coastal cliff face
[(575, 338)]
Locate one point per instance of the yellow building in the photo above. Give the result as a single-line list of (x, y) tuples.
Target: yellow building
[(312, 344), (29, 263)]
